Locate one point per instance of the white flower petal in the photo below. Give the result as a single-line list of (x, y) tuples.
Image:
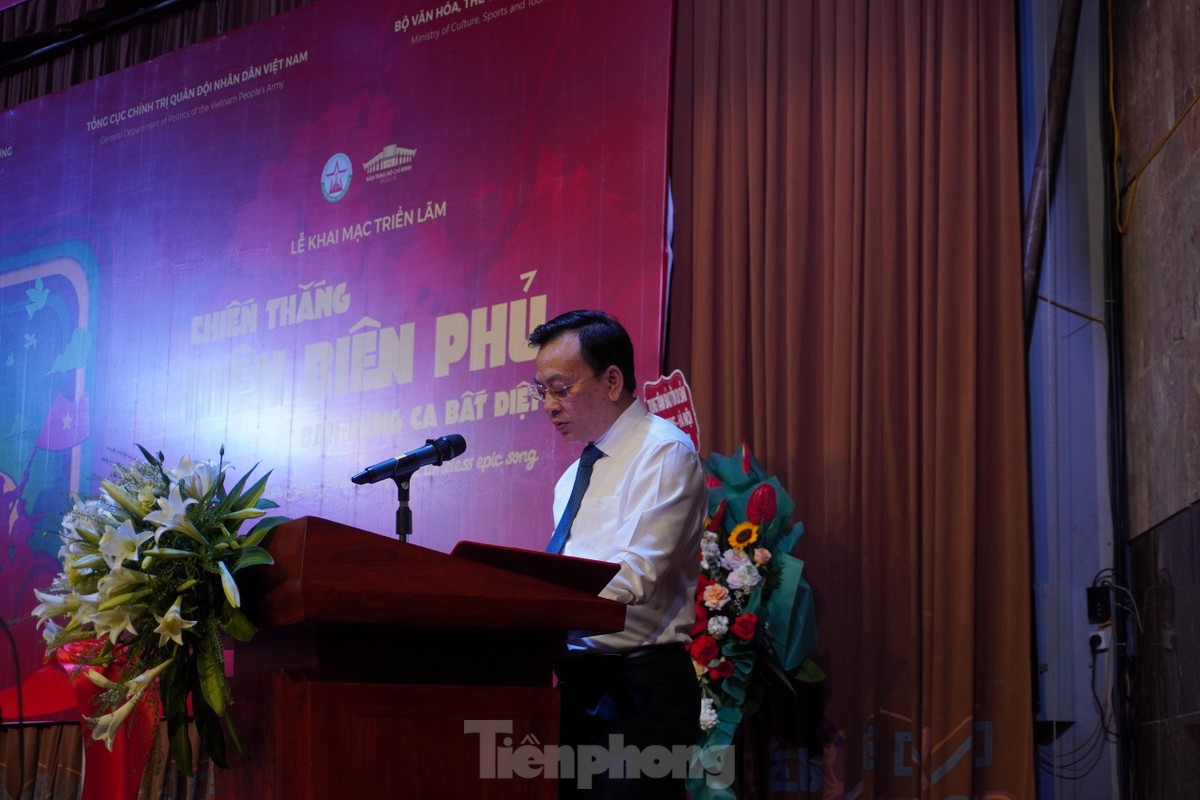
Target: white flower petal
[(230, 586), (104, 728), (172, 624)]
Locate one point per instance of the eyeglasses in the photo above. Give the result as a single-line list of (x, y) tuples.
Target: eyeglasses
[(560, 393)]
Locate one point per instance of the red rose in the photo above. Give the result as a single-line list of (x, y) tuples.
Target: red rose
[(701, 620), (744, 626), (761, 507), (704, 649), (722, 670)]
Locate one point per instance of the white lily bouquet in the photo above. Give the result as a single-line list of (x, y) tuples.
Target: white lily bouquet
[(148, 587)]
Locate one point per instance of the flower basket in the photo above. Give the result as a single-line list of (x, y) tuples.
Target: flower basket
[(148, 588), (754, 609)]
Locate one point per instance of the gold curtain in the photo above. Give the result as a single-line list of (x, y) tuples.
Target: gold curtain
[(847, 299)]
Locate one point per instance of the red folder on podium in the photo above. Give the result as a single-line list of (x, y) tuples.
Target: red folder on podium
[(582, 574)]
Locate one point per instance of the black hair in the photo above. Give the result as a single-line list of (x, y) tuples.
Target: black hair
[(603, 341)]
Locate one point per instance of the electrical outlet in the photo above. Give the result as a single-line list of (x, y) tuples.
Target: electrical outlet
[(1099, 605), (1099, 641)]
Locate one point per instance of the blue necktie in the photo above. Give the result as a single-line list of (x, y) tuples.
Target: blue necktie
[(591, 454)]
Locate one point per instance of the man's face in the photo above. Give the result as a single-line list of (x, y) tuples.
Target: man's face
[(590, 405)]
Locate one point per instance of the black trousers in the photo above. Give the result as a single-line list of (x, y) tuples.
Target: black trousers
[(622, 715)]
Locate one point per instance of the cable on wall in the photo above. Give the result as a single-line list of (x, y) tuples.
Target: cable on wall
[(1130, 188)]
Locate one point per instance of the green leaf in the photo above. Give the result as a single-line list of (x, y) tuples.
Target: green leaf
[(261, 529), (113, 602), (151, 460), (252, 557), (212, 737), (123, 498), (809, 672), (235, 494), (181, 742), (254, 493), (211, 665), (245, 513), (237, 624), (174, 691), (237, 743)]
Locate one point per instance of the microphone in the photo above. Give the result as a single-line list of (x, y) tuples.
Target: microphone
[(433, 453)]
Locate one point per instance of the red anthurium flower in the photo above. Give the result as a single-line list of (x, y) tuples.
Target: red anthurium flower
[(718, 518), (761, 507)]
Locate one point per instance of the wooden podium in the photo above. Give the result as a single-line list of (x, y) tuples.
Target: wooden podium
[(373, 657)]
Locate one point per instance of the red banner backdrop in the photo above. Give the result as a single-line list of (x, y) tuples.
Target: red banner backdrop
[(320, 241)]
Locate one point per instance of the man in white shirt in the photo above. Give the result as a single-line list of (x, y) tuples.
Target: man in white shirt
[(642, 508)]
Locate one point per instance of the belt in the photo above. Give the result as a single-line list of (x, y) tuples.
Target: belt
[(634, 653), (653, 650), (593, 658)]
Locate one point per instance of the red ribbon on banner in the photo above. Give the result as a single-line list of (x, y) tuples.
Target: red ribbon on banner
[(61, 686)]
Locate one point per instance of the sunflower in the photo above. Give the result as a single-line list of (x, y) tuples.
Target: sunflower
[(746, 533)]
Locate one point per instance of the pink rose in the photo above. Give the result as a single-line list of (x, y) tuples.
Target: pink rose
[(715, 596)]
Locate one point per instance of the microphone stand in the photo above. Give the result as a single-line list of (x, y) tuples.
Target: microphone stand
[(403, 512)]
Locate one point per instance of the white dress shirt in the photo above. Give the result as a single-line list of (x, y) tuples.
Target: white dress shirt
[(644, 509)]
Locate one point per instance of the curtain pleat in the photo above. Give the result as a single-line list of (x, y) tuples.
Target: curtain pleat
[(53, 762), (847, 234), (108, 51), (54, 766)]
